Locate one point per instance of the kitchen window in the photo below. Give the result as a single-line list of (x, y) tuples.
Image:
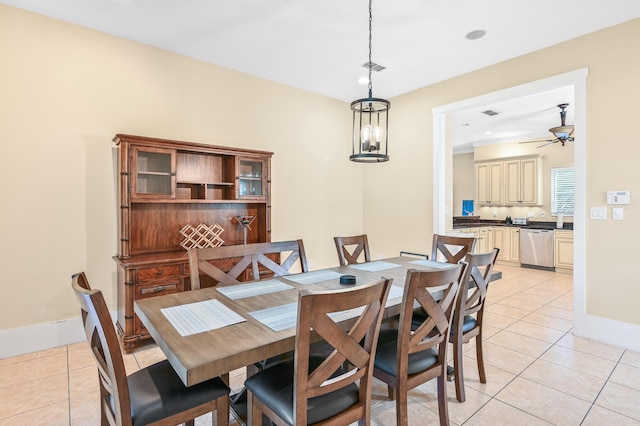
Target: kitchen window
[(562, 191)]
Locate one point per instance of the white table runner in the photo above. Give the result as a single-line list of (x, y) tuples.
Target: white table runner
[(375, 266), (433, 264), (313, 277), (241, 291)]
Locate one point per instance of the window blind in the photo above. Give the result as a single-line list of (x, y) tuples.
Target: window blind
[(562, 191)]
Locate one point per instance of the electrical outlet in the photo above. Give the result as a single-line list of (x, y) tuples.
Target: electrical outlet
[(541, 214), (495, 214)]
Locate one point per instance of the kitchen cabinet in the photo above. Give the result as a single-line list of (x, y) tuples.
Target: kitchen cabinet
[(511, 181), (489, 183), (165, 185), (482, 242), (507, 239), (513, 254), (499, 241), (522, 181), (483, 236), (563, 249)]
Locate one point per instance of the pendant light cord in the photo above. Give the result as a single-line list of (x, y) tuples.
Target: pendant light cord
[(370, 63)]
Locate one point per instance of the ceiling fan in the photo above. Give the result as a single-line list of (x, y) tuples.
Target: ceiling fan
[(563, 133)]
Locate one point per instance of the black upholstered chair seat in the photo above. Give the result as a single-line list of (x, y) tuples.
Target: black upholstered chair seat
[(387, 350), (419, 315), (274, 387), (156, 392), (468, 323)]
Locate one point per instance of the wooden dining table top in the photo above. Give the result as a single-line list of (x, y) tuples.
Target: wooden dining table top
[(202, 356)]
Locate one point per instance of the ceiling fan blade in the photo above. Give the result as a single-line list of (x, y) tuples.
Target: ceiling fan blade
[(549, 143), (538, 140)]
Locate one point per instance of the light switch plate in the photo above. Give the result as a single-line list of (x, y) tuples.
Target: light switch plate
[(618, 213), (598, 213)]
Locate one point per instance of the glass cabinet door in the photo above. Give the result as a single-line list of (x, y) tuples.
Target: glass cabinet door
[(251, 178), (153, 173)]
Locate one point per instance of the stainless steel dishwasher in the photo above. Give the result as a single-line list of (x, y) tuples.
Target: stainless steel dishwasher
[(536, 248)]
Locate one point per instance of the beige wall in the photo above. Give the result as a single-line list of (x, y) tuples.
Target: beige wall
[(612, 91), (464, 180), (66, 91), (552, 156)]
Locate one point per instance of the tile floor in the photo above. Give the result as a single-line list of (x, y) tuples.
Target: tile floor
[(537, 372)]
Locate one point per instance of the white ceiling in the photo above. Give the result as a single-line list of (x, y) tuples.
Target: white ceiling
[(320, 45)]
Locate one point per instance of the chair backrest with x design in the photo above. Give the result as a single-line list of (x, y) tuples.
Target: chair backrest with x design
[(351, 249), (435, 327), (354, 347), (250, 256), (451, 249)]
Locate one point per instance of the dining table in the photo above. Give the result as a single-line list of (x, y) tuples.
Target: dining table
[(212, 331)]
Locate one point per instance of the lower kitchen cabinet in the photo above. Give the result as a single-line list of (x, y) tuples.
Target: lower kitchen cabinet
[(507, 239), (563, 250)]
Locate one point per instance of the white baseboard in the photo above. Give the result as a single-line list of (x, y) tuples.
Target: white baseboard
[(38, 337), (612, 332)]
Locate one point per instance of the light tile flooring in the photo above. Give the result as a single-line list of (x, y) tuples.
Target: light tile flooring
[(537, 372)]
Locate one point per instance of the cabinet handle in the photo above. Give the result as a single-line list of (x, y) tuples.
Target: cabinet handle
[(160, 272), (156, 289)]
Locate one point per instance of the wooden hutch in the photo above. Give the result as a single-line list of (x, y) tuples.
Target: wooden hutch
[(165, 185)]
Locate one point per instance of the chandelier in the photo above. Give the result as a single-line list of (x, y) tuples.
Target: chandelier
[(370, 122)]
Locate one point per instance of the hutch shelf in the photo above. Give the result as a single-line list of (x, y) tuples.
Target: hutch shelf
[(165, 185)]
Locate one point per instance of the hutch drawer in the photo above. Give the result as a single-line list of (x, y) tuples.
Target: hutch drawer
[(158, 288), (155, 273)]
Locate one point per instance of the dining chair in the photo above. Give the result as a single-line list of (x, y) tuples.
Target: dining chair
[(408, 357), (154, 395), (451, 249), (469, 314), (350, 249), (275, 258), (335, 389)]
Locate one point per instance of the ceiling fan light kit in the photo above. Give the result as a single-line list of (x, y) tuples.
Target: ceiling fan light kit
[(562, 133)]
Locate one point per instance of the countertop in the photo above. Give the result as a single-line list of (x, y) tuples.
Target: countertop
[(465, 223)]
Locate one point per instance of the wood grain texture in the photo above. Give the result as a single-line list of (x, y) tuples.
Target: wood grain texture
[(201, 356)]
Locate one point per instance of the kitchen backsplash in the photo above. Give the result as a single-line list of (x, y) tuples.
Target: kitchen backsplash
[(534, 213)]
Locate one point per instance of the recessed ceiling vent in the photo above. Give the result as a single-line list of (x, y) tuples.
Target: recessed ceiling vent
[(490, 112), (374, 67)]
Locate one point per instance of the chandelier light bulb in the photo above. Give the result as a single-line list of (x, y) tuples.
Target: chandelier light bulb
[(365, 134)]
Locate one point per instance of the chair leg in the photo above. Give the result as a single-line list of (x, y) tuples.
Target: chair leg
[(458, 370), (392, 392), (443, 407), (222, 411), (401, 405), (480, 358)]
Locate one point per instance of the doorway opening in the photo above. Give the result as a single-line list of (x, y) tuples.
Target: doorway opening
[(443, 174)]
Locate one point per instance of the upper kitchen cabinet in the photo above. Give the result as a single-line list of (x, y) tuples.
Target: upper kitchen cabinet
[(522, 181), (509, 182), (489, 183)]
